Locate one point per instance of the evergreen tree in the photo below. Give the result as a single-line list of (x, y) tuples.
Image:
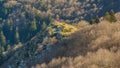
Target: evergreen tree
[(92, 21), (8, 30), (1, 19), (2, 49), (10, 24), (1, 27), (49, 17), (5, 11), (2, 39), (8, 47), (110, 16), (113, 18), (44, 25), (39, 2), (97, 20), (33, 26), (1, 53), (112, 13), (16, 36), (2, 9), (107, 16)]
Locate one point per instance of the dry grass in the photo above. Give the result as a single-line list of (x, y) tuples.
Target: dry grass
[(100, 59), (94, 46)]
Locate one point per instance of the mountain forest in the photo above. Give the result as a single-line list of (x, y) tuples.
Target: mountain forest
[(59, 33)]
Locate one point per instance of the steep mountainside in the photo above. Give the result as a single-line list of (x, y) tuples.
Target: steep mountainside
[(93, 46), (22, 19), (37, 31)]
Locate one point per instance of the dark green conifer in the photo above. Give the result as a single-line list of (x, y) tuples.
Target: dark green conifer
[(113, 18), (8, 47), (110, 16), (107, 16), (97, 20), (16, 36), (33, 25), (44, 25), (2, 39), (92, 21)]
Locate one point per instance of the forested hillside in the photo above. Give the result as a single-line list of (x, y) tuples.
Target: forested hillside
[(94, 46), (28, 28), (22, 19)]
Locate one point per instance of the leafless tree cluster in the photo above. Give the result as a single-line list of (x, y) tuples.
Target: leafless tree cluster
[(68, 10)]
